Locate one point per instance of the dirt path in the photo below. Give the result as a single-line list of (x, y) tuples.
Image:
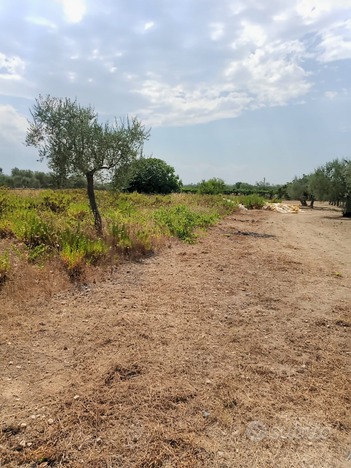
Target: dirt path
[(169, 361)]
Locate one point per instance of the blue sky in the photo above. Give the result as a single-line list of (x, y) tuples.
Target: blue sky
[(240, 90)]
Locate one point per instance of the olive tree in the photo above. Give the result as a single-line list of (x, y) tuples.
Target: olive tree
[(298, 189), (70, 137)]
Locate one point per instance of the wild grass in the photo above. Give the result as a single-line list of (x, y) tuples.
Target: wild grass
[(40, 226)]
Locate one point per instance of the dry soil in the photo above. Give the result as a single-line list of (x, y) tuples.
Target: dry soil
[(232, 352)]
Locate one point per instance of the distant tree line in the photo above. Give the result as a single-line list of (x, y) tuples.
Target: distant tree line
[(25, 178), (216, 186)]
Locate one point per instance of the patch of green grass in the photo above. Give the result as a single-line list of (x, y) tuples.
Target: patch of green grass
[(59, 223), (252, 202), (181, 221)]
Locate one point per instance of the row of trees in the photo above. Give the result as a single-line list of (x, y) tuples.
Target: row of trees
[(144, 175), (25, 178), (215, 186), (330, 182)]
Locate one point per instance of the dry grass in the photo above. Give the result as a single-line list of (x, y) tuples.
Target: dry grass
[(216, 327)]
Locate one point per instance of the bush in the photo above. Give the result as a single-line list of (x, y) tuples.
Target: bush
[(252, 202), (4, 266), (152, 175), (212, 187), (181, 221)]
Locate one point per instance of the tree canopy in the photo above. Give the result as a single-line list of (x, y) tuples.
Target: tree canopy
[(152, 175), (330, 182), (212, 186), (298, 189), (70, 137)]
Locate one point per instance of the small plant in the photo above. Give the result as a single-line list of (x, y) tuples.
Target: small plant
[(275, 200), (73, 262), (252, 202), (34, 231), (181, 221), (143, 237), (120, 235), (4, 267), (17, 251), (36, 253), (5, 229)]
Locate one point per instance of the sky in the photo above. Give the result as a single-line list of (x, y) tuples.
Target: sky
[(237, 89)]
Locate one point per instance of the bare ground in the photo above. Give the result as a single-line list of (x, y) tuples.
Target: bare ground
[(169, 360)]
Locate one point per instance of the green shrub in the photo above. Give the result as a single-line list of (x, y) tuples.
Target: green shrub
[(4, 266), (55, 201), (34, 231), (181, 221), (211, 187), (120, 235), (252, 202)]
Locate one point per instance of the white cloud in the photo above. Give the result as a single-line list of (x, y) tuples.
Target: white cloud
[(181, 105), (331, 94), (312, 10), (336, 42), (13, 126), (148, 25), (12, 82), (40, 21), (271, 74), (11, 67), (280, 17), (216, 31), (251, 34), (74, 10)]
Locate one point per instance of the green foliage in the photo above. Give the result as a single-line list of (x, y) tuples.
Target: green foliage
[(37, 253), (331, 182), (181, 221), (252, 202), (46, 224), (120, 235), (152, 175), (24, 178), (298, 189), (69, 136), (212, 186), (4, 266), (56, 202), (34, 230)]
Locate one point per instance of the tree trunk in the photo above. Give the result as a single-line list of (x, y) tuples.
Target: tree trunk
[(303, 202), (347, 207), (311, 204), (93, 205)]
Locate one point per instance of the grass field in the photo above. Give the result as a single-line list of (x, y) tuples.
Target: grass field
[(55, 230)]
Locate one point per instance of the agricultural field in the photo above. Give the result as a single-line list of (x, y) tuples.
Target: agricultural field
[(173, 338)]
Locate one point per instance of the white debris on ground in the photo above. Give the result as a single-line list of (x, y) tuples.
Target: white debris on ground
[(281, 208), (278, 207), (241, 207)]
